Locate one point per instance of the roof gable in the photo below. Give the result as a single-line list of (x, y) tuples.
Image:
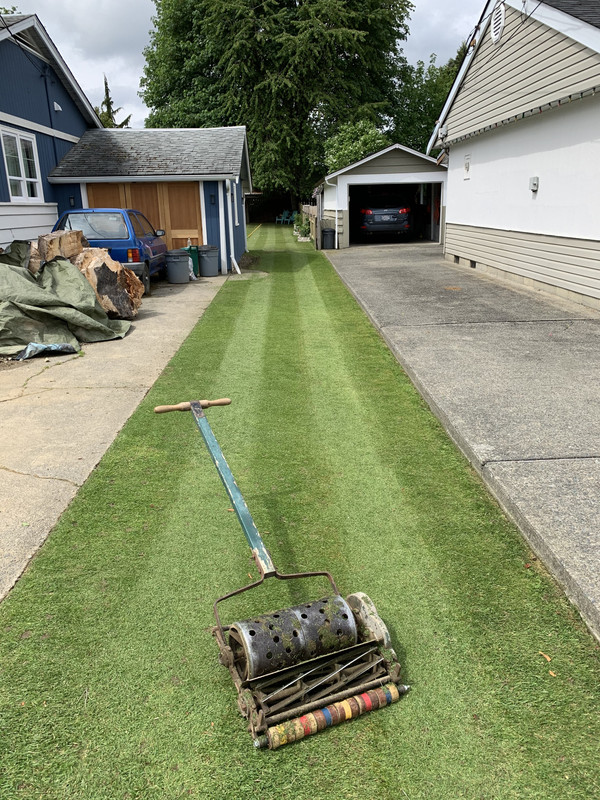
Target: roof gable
[(27, 32), (151, 153), (413, 155), (544, 56)]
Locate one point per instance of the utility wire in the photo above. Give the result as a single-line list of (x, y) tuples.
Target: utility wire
[(20, 45)]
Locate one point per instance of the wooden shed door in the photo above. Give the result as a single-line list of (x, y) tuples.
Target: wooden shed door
[(182, 204), (175, 206)]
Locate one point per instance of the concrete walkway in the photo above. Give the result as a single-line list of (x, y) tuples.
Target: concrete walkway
[(59, 415), (514, 376)]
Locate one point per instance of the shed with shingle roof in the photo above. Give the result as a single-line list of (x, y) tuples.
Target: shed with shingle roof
[(191, 182)]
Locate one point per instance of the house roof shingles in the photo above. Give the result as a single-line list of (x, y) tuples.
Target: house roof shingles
[(585, 10), (155, 152)]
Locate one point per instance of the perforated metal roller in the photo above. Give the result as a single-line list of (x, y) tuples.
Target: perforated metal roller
[(286, 637)]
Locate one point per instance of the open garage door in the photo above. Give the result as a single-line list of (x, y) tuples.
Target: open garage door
[(394, 212)]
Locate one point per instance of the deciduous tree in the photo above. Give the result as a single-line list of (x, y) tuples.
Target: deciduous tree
[(353, 141), (421, 93)]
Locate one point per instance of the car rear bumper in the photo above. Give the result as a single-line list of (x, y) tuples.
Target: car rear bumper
[(386, 227)]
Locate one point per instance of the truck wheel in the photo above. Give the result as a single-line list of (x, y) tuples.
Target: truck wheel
[(145, 279)]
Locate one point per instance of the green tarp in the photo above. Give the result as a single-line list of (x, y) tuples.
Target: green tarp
[(58, 306)]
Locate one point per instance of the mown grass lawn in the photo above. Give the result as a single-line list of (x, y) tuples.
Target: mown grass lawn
[(109, 681)]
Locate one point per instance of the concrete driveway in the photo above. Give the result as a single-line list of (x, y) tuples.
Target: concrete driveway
[(514, 376)]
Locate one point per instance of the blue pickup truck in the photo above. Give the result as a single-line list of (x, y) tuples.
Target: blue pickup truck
[(125, 233)]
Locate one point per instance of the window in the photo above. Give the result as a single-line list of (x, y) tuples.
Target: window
[(137, 225), (22, 169), (148, 229), (96, 224)]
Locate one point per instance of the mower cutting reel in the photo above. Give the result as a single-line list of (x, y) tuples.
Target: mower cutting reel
[(301, 669)]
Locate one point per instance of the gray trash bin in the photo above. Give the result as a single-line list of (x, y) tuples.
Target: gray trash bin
[(328, 239), (178, 266), (209, 260)]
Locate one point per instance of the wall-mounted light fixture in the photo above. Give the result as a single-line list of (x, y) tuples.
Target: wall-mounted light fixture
[(72, 202), (213, 199)]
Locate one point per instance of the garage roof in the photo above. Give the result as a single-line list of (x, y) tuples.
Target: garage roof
[(380, 153), (156, 153)]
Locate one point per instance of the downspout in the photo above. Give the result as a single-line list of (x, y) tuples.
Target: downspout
[(230, 200), (336, 210), (222, 236)]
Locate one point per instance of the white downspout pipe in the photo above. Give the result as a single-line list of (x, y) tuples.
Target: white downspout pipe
[(230, 200), (336, 209), (222, 234)]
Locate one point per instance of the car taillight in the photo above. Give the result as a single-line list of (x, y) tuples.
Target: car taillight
[(133, 255), (366, 211), (404, 210)]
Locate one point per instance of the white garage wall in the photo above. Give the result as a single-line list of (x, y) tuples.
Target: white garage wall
[(560, 147)]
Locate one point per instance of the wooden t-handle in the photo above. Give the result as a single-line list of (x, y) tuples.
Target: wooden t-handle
[(223, 401)]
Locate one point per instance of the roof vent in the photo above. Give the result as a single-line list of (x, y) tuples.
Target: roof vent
[(497, 23)]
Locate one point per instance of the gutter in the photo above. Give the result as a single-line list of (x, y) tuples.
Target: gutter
[(161, 177), (336, 209)]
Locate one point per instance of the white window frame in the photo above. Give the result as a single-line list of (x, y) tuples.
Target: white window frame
[(21, 135)]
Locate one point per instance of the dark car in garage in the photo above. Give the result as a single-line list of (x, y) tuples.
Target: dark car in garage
[(383, 215)]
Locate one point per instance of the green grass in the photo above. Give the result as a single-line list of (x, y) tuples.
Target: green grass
[(109, 681)]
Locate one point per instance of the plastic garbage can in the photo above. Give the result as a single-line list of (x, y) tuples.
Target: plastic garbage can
[(209, 260), (178, 266), (195, 256), (328, 239)]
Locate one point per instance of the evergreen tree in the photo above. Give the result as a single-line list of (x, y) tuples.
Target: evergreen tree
[(292, 71), (107, 111)]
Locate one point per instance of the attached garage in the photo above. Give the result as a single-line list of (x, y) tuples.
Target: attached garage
[(191, 182), (396, 176)]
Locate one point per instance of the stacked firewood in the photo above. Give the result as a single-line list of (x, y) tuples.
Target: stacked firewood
[(118, 289)]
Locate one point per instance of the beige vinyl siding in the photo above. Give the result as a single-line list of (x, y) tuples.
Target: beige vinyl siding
[(532, 65), (572, 265), (392, 162)]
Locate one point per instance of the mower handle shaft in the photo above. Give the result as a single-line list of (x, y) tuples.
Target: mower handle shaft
[(223, 401)]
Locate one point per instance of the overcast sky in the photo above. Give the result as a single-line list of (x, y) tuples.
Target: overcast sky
[(109, 36)]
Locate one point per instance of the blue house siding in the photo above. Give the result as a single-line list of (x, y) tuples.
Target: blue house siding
[(29, 89), (211, 204), (239, 230), (212, 234)]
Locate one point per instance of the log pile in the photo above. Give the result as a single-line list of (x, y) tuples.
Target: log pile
[(118, 289)]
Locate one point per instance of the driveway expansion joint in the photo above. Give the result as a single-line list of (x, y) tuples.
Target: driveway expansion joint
[(465, 323), (533, 459)]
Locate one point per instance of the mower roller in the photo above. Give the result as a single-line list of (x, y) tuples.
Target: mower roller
[(301, 669)]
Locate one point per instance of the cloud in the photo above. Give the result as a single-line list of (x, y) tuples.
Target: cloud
[(440, 28), (106, 39)]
